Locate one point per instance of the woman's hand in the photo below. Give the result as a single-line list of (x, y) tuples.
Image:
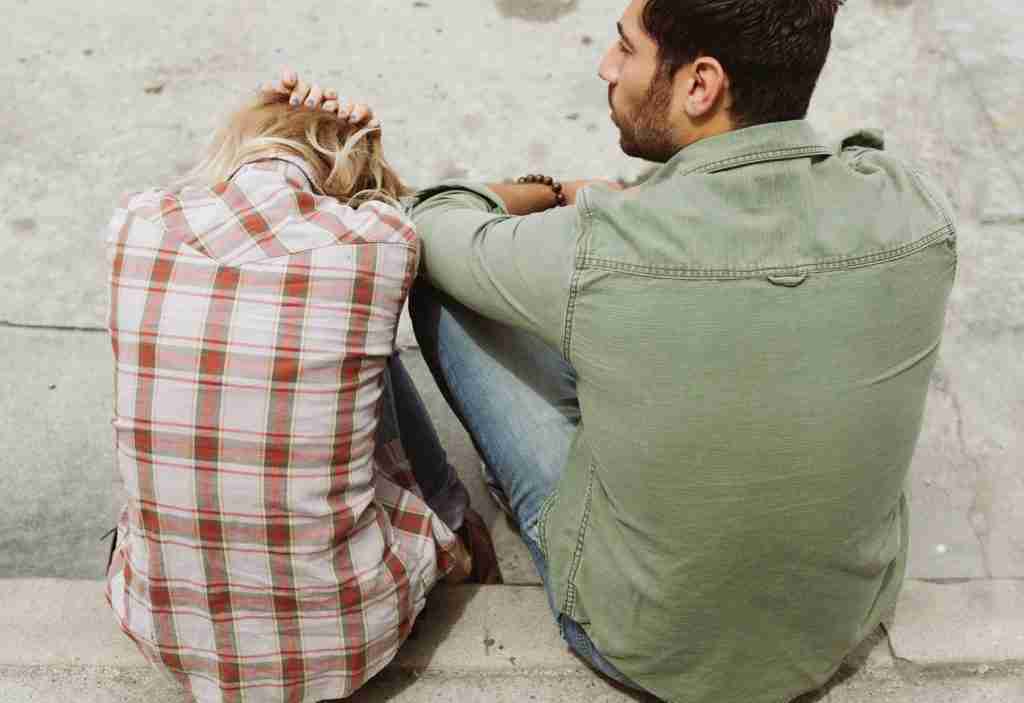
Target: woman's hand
[(313, 97)]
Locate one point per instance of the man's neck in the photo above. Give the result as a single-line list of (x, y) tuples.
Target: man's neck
[(719, 124)]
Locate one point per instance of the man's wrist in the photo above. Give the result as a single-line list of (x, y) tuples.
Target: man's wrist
[(548, 181), (524, 198)]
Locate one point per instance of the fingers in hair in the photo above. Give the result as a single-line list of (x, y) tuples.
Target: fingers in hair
[(299, 93), (316, 96), (360, 113)]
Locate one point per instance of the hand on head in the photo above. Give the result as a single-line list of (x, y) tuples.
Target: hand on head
[(302, 94)]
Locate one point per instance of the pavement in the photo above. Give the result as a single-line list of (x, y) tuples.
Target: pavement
[(106, 97)]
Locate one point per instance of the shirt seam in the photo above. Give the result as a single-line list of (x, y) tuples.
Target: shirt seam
[(412, 249), (157, 220), (939, 210), (570, 310), (579, 257), (758, 156), (826, 265), (569, 605)]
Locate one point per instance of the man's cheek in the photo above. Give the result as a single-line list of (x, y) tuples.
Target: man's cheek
[(615, 111)]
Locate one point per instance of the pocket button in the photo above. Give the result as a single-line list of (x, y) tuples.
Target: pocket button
[(787, 281)]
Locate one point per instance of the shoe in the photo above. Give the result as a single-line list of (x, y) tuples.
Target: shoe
[(477, 539)]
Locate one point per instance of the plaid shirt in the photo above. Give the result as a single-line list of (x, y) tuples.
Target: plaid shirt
[(269, 550)]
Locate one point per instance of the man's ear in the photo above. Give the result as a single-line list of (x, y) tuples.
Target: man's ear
[(707, 87)]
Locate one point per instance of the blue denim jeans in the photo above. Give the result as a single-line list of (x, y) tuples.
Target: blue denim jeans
[(516, 397), (403, 415)]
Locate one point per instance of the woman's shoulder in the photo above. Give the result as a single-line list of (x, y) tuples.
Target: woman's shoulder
[(144, 204), (287, 182), (373, 221)]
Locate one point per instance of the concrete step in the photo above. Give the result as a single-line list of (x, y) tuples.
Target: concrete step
[(500, 643), (138, 685)]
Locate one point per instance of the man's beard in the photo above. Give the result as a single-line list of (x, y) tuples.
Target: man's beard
[(645, 133)]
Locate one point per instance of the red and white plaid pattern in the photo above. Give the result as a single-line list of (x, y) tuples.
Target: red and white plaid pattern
[(268, 551)]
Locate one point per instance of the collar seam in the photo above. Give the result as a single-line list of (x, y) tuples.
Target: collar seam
[(300, 164), (756, 156)]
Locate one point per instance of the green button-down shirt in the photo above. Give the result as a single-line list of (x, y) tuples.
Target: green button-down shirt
[(753, 330)]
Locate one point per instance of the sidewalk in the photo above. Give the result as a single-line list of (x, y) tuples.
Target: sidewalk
[(960, 642)]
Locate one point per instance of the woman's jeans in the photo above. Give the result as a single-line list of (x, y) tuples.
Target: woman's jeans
[(516, 397), (404, 416)]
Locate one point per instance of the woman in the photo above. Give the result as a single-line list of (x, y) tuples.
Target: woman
[(277, 543)]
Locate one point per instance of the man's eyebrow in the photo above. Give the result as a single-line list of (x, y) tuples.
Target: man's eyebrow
[(622, 33)]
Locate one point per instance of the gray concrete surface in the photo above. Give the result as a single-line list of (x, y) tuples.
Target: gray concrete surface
[(472, 643), (58, 473), (942, 628), (937, 623), (134, 685), (105, 97), (61, 487)]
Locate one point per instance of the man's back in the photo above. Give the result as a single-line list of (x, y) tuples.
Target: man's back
[(752, 332)]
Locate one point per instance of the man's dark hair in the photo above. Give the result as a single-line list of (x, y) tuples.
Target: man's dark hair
[(772, 50)]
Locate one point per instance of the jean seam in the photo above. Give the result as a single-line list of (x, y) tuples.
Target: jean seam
[(542, 519)]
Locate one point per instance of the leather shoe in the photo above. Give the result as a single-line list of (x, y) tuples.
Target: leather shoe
[(477, 539)]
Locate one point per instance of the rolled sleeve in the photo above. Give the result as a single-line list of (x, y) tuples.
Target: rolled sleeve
[(517, 270)]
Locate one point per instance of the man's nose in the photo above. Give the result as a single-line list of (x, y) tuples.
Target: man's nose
[(608, 70)]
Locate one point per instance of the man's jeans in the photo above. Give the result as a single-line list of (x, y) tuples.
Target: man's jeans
[(516, 397)]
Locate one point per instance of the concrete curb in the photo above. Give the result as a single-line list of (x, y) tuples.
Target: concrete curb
[(54, 622), (500, 643), (960, 622), (504, 629)]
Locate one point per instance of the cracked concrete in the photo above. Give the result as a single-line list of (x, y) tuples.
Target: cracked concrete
[(975, 512)]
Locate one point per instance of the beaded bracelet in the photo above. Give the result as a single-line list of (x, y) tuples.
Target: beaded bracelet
[(547, 181)]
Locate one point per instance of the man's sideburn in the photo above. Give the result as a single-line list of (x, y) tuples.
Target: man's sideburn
[(648, 135)]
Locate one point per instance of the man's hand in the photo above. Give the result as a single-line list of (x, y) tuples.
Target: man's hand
[(527, 198), (313, 97)]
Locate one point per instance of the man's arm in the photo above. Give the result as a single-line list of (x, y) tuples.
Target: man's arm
[(517, 270), (513, 269)]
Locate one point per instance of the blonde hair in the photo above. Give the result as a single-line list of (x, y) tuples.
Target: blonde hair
[(346, 162)]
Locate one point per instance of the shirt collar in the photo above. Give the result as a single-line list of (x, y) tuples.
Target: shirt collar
[(287, 164), (774, 141)]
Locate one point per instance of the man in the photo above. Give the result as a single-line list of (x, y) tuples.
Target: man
[(700, 396)]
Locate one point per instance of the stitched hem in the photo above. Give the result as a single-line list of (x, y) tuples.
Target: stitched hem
[(586, 215), (569, 606), (542, 522)]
